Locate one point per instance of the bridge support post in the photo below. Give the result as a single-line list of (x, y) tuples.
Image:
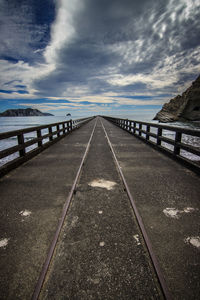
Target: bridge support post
[(147, 131), (158, 135), (58, 128), (70, 125), (50, 134), (140, 128), (20, 138), (177, 140), (39, 136), (63, 125), (134, 126)]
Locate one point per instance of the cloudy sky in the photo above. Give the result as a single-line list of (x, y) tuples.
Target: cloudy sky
[(91, 57)]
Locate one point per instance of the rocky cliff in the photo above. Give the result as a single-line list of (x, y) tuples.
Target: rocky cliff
[(182, 108), (28, 112)]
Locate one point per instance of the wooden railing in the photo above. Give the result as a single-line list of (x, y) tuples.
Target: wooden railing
[(182, 145), (79, 122), (41, 138)]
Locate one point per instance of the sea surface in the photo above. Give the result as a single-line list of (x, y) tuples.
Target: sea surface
[(15, 123)]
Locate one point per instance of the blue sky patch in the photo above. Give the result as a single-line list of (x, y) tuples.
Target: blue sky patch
[(97, 56)]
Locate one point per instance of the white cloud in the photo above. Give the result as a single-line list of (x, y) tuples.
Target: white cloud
[(62, 30), (105, 56)]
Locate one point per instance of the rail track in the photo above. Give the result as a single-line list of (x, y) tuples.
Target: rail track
[(147, 243), (58, 230)]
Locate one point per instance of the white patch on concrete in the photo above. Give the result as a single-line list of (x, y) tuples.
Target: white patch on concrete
[(100, 212), (136, 237), (95, 280), (189, 209), (106, 184), (74, 221), (102, 244), (171, 212), (193, 240), (25, 213), (3, 243), (176, 213)]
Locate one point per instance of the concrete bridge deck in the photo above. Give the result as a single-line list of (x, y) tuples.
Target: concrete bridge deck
[(100, 253)]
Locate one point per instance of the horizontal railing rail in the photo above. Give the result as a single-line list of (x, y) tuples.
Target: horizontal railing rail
[(78, 122), (39, 138), (182, 144)]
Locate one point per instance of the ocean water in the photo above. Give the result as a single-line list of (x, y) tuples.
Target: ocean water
[(15, 123)]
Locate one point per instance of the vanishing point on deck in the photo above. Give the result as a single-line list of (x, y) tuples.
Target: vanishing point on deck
[(103, 213)]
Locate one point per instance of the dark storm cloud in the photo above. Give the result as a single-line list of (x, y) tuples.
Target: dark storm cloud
[(123, 37), (80, 48), (79, 63), (24, 28)]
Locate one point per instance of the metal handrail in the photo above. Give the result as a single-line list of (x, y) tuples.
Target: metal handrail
[(44, 136), (142, 130)]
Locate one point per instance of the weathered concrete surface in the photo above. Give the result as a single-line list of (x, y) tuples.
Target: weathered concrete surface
[(40, 186), (100, 254), (167, 197)]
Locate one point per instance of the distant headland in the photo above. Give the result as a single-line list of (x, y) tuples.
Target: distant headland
[(27, 112), (182, 108)]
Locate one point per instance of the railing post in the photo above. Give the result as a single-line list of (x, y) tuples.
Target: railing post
[(20, 138), (147, 131), (134, 126), (159, 133), (58, 128), (63, 125), (70, 125), (177, 140), (131, 127), (50, 134), (140, 128), (39, 135), (73, 124)]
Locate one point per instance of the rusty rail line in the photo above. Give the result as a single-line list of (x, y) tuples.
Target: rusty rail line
[(49, 258), (42, 137), (67, 127), (147, 242), (154, 135), (58, 230)]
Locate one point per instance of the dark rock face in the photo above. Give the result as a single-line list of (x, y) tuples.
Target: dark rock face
[(28, 112), (182, 108)]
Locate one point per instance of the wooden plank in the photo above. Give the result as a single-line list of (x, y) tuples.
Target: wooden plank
[(9, 151), (5, 135), (189, 148)]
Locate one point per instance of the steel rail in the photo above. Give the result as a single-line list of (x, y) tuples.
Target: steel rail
[(46, 265), (147, 241)]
